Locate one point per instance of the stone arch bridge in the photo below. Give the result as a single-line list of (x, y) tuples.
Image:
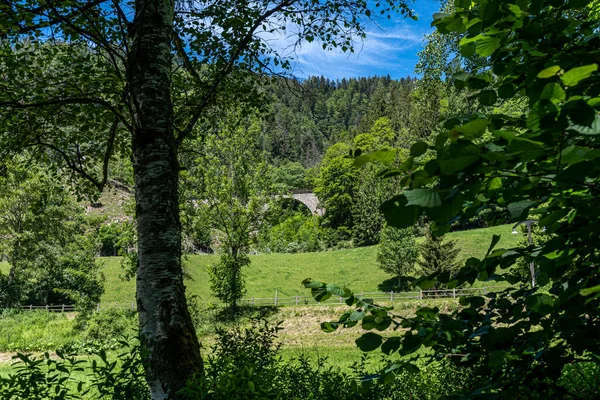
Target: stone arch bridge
[(306, 197)]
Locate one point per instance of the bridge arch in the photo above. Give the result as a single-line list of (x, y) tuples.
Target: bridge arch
[(309, 199)]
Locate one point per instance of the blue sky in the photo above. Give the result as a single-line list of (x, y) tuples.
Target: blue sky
[(390, 48)]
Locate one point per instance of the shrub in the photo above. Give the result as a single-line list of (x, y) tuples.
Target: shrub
[(45, 377), (296, 234), (108, 324)]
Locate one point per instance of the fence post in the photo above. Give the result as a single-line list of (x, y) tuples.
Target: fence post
[(47, 307), (420, 294), (133, 305), (98, 308), (63, 308), (454, 292), (275, 297), (30, 307), (484, 290), (392, 296), (296, 300), (252, 300)]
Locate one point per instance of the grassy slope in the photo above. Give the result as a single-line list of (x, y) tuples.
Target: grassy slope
[(355, 268)]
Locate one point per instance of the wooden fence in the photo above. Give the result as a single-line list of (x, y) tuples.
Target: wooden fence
[(278, 301)]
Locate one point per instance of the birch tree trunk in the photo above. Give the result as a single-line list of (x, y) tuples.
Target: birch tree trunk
[(166, 328)]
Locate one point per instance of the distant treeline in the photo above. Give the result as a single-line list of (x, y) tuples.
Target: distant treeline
[(306, 117)]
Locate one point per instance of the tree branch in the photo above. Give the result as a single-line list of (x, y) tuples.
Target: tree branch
[(74, 100), (46, 24), (209, 95)]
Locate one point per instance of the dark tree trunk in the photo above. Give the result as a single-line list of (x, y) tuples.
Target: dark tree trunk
[(166, 328)]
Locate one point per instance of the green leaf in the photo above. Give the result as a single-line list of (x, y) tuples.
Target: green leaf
[(329, 327), (593, 129), (384, 156), (554, 92), (495, 240), (337, 290), (468, 50), (411, 342), (548, 72), (553, 217), (518, 209), (398, 214), (391, 345), (575, 75), (423, 197), (451, 165), (487, 97), (418, 149), (506, 91), (540, 303), (487, 45), (369, 341), (474, 129), (310, 284), (496, 359), (460, 76), (580, 113), (320, 294), (356, 315)]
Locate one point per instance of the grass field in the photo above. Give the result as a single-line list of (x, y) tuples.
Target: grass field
[(355, 268)]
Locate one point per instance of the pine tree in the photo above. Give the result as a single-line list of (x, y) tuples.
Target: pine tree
[(438, 256)]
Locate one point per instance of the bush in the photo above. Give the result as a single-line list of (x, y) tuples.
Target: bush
[(297, 234), (438, 256), (115, 238), (245, 364), (45, 377), (108, 324)]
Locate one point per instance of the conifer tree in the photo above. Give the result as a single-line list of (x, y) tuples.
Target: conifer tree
[(437, 256)]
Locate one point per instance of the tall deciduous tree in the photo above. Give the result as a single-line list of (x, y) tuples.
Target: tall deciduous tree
[(237, 187), (43, 232), (397, 253), (85, 78)]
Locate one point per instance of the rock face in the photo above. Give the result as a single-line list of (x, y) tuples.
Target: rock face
[(310, 200)]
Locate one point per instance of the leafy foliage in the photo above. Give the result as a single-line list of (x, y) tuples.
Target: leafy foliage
[(247, 363), (47, 240), (45, 377), (398, 253), (233, 185), (541, 163), (227, 279), (335, 187)]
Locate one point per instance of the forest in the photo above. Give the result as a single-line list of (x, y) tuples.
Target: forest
[(162, 169)]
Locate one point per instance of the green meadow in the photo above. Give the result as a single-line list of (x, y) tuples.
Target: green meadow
[(354, 268)]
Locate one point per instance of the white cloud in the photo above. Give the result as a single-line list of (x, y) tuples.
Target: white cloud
[(383, 50), (391, 48)]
